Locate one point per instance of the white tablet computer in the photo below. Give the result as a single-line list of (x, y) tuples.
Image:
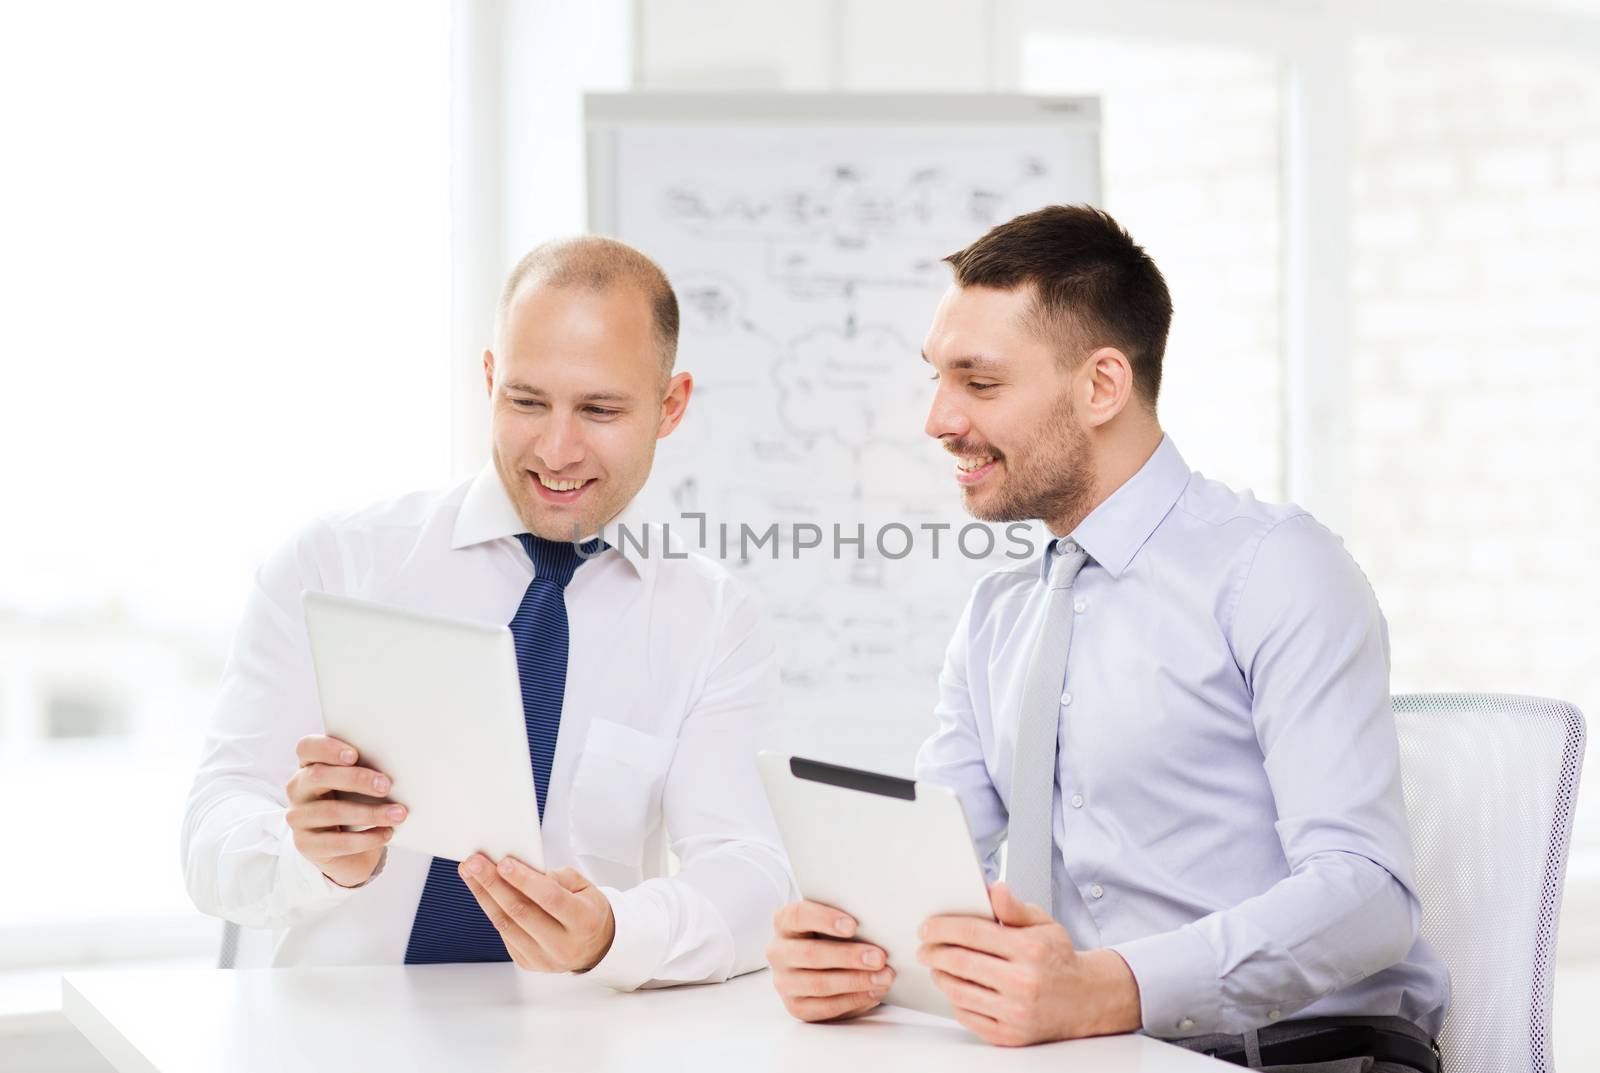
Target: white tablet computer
[(434, 703), (889, 851)]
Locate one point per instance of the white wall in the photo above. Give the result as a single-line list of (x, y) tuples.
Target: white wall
[(1475, 455)]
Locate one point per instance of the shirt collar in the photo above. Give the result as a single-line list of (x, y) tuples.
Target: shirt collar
[(1114, 531), (487, 513)]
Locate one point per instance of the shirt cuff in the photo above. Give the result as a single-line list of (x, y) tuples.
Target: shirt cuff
[(640, 942), (310, 890), (1179, 992)]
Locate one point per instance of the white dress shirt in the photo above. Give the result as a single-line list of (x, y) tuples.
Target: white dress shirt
[(671, 688), (1228, 813)]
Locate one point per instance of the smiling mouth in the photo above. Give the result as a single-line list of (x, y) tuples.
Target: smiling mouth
[(560, 490), (971, 469)]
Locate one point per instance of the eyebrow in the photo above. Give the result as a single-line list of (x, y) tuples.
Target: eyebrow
[(973, 362), (588, 396)]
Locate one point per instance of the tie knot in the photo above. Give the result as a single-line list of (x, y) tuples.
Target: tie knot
[(1069, 559), (556, 561)]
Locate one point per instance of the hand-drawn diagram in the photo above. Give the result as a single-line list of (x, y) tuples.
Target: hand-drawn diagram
[(808, 266)]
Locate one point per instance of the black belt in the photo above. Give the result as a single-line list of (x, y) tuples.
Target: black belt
[(1331, 1044)]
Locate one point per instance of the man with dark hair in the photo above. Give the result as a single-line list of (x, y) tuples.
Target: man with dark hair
[(1089, 285), (1177, 719)]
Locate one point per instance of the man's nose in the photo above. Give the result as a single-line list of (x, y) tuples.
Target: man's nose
[(561, 443), (945, 417)]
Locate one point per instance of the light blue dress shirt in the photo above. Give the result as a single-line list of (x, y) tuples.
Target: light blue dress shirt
[(1228, 814)]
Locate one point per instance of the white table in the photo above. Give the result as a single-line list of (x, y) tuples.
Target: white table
[(494, 1017)]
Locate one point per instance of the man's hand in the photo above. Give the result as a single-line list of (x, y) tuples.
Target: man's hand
[(1020, 981), (819, 976), (320, 821), (550, 921)]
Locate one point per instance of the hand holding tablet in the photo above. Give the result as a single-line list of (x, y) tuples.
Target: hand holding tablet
[(888, 854), (434, 706), (339, 834)]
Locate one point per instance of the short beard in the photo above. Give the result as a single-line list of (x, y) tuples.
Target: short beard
[(1055, 480)]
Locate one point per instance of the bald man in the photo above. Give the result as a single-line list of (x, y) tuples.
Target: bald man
[(648, 683)]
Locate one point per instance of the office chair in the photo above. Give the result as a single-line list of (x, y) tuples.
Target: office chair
[(1490, 781), (228, 953)]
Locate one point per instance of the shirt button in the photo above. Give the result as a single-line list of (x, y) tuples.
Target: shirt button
[(1097, 891), (1069, 548), (1077, 800), (1066, 698), (1273, 1015), (1185, 1025), (1081, 606)]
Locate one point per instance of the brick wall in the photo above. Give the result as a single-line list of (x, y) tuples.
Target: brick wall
[(1475, 450)]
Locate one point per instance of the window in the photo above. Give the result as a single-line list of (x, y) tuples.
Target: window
[(72, 714), (227, 283)]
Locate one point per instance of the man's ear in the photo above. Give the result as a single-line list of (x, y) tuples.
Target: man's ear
[(1107, 385), (488, 370), (674, 403)]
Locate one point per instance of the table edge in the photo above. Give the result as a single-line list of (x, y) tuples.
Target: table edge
[(87, 1018)]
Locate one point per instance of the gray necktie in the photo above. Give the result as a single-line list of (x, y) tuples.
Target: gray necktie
[(1029, 840)]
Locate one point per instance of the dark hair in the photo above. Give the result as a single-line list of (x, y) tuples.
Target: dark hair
[(597, 262), (1093, 285)]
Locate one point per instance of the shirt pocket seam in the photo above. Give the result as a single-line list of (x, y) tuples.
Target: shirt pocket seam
[(616, 791)]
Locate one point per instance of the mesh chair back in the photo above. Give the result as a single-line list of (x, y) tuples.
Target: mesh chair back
[(1490, 782), (228, 954)]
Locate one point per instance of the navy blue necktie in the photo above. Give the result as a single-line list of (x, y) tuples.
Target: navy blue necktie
[(449, 925)]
